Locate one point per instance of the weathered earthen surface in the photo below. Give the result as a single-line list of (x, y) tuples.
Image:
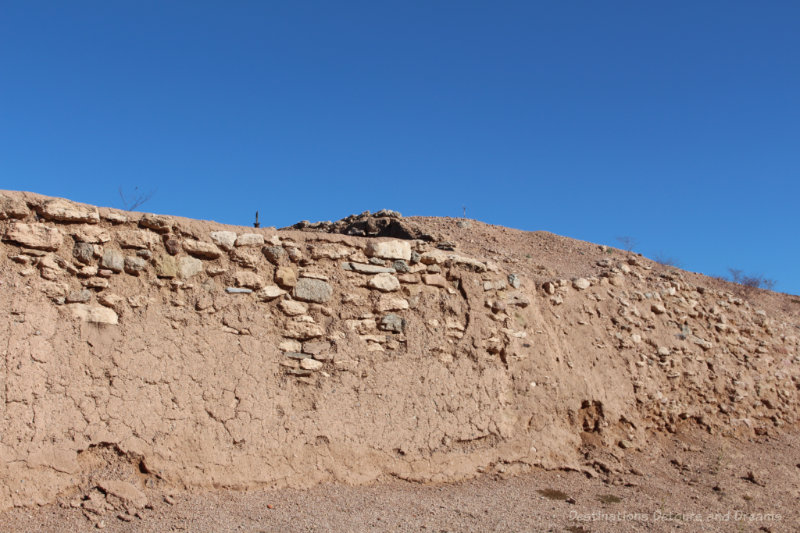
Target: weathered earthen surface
[(194, 370)]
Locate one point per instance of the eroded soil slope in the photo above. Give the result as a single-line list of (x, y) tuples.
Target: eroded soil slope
[(153, 352)]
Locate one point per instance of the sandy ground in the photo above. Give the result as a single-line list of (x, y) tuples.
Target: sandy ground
[(699, 484)]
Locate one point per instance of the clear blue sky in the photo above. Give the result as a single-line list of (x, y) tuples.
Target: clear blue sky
[(676, 123)]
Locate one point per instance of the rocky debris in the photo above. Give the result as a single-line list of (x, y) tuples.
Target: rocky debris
[(224, 239), (203, 250), (312, 290), (59, 210), (384, 282), (12, 208), (658, 309), (123, 490), (238, 290), (514, 281), (389, 250), (94, 314), (113, 261), (35, 236), (286, 277), (368, 225)]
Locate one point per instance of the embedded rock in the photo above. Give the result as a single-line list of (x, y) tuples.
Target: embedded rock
[(395, 249), (34, 236), (65, 211), (312, 290)]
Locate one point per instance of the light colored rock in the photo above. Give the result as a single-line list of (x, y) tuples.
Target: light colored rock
[(61, 210), (313, 290), (224, 239), (362, 268), (189, 266), (290, 345), (388, 303), (330, 251), (549, 287), (112, 260), (302, 330), (581, 283), (94, 314), (384, 282), (203, 250), (514, 281), (137, 239), (35, 236), (246, 278), (310, 364), (90, 234), (495, 285), (442, 257), (394, 249), (658, 309), (157, 223), (114, 217), (270, 292), (124, 491), (293, 307), (435, 280), (12, 208), (250, 239), (286, 277)]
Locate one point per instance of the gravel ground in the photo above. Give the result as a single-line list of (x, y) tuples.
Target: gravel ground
[(699, 484)]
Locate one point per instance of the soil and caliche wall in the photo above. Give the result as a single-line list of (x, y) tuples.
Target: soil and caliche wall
[(151, 351)]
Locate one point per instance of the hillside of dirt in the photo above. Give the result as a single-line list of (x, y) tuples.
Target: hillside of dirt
[(149, 354)]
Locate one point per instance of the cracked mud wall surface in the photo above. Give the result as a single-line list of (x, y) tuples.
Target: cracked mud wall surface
[(201, 356)]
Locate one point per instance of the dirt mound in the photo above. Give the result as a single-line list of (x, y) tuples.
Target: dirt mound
[(147, 352)]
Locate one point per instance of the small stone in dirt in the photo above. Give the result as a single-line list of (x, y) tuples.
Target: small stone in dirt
[(513, 280)]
